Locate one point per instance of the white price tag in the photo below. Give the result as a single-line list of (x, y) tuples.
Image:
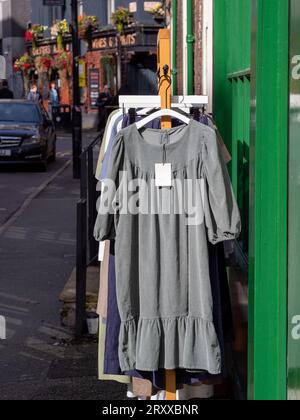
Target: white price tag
[(101, 251), (163, 175)]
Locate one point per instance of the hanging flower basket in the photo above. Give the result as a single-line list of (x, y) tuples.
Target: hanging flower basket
[(60, 30), (159, 18), (64, 64), (121, 18), (87, 25), (158, 12), (35, 33), (44, 63), (25, 66)]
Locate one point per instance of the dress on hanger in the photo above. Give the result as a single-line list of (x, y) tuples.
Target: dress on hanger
[(221, 301), (162, 266)]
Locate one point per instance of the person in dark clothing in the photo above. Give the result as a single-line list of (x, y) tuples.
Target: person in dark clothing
[(5, 92), (103, 101)]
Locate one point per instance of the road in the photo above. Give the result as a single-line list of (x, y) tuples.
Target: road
[(19, 182), (38, 359)]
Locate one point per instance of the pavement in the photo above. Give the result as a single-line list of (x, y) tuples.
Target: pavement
[(39, 360)]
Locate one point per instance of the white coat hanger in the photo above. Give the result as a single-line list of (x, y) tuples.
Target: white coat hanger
[(145, 101), (162, 113), (140, 113)]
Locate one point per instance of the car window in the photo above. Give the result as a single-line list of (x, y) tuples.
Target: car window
[(19, 113)]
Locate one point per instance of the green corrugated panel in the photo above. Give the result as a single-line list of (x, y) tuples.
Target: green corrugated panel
[(239, 35), (222, 88)]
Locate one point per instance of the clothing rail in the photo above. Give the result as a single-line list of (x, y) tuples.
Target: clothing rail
[(127, 102)]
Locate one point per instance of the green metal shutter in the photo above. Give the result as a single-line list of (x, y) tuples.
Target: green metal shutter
[(267, 188)]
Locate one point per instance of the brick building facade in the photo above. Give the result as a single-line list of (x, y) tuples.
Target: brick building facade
[(198, 47), (182, 45)]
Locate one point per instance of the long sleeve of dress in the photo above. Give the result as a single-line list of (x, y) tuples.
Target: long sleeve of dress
[(222, 215), (105, 224)]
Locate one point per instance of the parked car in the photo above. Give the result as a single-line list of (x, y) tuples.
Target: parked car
[(27, 134)]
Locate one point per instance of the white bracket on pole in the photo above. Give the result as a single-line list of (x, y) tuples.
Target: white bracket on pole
[(148, 101)]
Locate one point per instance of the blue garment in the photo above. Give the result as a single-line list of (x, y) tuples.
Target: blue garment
[(203, 119), (113, 322)]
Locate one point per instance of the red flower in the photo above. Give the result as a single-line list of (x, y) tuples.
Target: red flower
[(28, 36)]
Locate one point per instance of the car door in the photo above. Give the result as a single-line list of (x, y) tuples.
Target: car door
[(49, 131)]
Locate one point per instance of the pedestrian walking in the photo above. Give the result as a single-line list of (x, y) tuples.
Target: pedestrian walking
[(54, 99), (54, 95), (34, 94)]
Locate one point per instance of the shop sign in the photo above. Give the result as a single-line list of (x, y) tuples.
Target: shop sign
[(48, 49), (2, 67), (150, 5), (111, 42), (132, 7), (94, 86)]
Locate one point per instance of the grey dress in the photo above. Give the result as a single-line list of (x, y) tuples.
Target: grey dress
[(162, 266)]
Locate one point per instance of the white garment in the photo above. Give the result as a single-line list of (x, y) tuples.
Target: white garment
[(108, 134), (113, 121)]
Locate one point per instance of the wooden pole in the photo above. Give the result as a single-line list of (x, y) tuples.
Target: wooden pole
[(164, 66), (165, 92)]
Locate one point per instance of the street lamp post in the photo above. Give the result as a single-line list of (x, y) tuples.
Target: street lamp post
[(76, 110)]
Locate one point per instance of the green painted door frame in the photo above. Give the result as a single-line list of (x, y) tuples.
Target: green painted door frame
[(267, 344), (268, 201)]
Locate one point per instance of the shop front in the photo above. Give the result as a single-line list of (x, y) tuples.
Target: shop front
[(126, 63), (53, 64)]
